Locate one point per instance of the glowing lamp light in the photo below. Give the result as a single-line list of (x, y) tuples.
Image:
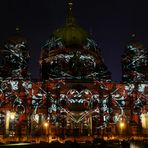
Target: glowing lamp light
[(12, 115), (122, 125), (144, 120), (46, 124)]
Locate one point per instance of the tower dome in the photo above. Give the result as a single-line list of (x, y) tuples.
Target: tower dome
[(71, 53), (16, 38)]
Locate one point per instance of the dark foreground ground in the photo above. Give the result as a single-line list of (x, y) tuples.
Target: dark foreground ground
[(112, 144)]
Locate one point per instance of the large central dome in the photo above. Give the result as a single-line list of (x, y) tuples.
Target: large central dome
[(71, 33), (71, 53)]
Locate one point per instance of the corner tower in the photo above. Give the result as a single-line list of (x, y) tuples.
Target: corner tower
[(135, 62), (14, 57)]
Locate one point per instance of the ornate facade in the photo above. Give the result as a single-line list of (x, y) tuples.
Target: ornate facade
[(76, 95)]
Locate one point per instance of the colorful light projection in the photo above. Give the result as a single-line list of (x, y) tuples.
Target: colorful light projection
[(134, 62), (105, 103), (14, 59), (60, 62)]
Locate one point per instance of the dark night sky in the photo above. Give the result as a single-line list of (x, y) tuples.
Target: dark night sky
[(110, 21)]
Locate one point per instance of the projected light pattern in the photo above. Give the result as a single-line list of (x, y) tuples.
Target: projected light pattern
[(60, 62), (134, 62), (14, 59), (55, 43), (60, 101)]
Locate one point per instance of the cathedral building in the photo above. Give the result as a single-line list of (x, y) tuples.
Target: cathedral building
[(75, 95)]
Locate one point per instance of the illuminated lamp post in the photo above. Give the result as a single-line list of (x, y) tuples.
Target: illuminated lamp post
[(144, 123), (121, 126), (46, 125), (12, 117)]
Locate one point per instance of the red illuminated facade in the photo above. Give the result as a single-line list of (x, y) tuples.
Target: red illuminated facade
[(76, 95)]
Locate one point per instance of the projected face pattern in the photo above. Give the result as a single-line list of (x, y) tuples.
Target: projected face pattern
[(105, 102)]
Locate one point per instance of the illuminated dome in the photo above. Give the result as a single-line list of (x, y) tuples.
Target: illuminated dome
[(71, 53)]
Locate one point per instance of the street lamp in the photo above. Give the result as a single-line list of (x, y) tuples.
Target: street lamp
[(46, 125), (122, 125), (12, 117)]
